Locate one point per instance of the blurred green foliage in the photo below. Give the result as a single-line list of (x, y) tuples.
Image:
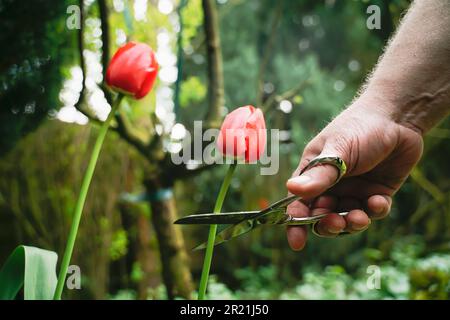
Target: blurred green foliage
[(192, 91), (323, 44), (408, 274), (36, 45)]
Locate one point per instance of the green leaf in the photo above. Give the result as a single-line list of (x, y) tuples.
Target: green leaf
[(32, 268)]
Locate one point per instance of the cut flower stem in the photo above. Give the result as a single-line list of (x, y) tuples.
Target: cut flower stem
[(212, 233)]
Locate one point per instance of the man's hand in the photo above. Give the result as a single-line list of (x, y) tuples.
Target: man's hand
[(379, 154), (380, 135)]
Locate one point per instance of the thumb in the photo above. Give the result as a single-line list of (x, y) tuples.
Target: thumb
[(317, 179)]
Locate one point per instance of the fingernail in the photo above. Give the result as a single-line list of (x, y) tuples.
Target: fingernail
[(360, 227), (334, 230), (379, 211), (300, 180), (357, 227)]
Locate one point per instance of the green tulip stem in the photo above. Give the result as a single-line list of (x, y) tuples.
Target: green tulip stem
[(212, 233), (82, 198)]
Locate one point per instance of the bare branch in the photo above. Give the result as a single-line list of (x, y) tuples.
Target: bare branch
[(267, 53), (80, 39), (419, 178), (125, 130), (91, 117), (214, 58), (104, 18), (287, 95), (82, 66), (81, 56), (182, 172), (205, 167)]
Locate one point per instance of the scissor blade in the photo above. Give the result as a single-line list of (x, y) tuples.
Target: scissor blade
[(277, 206), (230, 232), (247, 225), (216, 218), (236, 217)]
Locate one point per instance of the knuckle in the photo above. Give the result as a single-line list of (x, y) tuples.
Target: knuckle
[(347, 144)]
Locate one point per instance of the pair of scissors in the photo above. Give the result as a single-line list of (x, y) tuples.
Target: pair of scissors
[(234, 224)]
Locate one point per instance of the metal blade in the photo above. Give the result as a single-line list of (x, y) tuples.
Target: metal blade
[(277, 206), (238, 216), (216, 218), (232, 231), (245, 226)]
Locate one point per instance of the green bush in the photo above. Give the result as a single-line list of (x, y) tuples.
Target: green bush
[(406, 275)]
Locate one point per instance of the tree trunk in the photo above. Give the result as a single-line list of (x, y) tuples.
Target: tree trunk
[(145, 256), (136, 221), (174, 260)]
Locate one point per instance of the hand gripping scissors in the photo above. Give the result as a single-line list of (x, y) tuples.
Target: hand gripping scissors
[(234, 224)]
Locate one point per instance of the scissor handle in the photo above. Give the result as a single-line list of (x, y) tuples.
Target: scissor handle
[(313, 221), (309, 220), (340, 165), (337, 162)]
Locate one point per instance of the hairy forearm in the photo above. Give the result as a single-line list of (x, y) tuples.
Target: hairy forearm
[(412, 80)]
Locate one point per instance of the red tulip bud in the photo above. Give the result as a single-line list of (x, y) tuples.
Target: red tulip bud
[(243, 134), (133, 70)]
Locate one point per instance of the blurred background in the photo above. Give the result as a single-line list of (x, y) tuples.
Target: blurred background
[(301, 61)]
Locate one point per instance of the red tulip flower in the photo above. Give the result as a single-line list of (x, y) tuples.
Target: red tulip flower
[(133, 70), (243, 134)]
